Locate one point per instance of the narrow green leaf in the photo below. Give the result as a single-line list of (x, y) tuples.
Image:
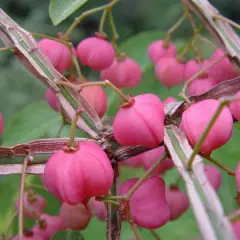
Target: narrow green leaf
[(32, 122), (59, 10)]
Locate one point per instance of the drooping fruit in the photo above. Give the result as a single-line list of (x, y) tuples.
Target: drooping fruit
[(235, 107), (58, 54), (98, 209), (170, 71), (148, 204), (196, 118), (141, 122), (52, 100), (200, 85), (159, 49), (75, 217), (32, 203), (123, 73), (214, 176), (177, 201), (76, 176), (96, 53), (223, 70)]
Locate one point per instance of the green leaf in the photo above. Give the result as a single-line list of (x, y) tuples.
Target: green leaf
[(32, 122), (59, 10)]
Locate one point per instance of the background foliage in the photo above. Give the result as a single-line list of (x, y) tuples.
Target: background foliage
[(27, 116)]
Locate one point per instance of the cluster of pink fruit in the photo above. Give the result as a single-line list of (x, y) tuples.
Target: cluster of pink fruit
[(98, 54), (171, 70), (70, 217), (77, 177)]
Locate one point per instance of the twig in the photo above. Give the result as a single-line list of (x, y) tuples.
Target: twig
[(21, 197), (212, 160)]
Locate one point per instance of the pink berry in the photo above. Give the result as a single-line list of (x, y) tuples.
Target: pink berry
[(213, 175), (133, 162), (200, 85), (76, 176), (58, 54), (97, 98), (141, 122), (33, 204), (177, 201), (169, 100), (192, 67), (148, 204), (234, 108), (236, 228), (96, 53), (75, 217), (1, 124), (170, 71), (196, 118), (48, 225), (223, 70), (98, 209), (159, 49), (52, 100), (123, 73), (150, 157)]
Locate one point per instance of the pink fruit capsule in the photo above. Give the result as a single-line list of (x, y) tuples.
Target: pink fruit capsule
[(1, 124), (97, 98), (52, 100), (196, 118), (75, 217), (58, 54), (141, 122), (177, 201), (33, 204), (133, 162), (236, 228), (150, 157), (96, 53), (235, 107), (200, 85), (76, 176), (170, 71), (123, 73), (214, 176), (159, 49), (223, 70), (48, 225), (192, 67), (148, 204), (98, 209)]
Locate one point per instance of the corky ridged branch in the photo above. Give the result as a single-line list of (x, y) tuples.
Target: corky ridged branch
[(213, 224)]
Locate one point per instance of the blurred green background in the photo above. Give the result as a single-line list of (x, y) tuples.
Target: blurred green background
[(138, 22)]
